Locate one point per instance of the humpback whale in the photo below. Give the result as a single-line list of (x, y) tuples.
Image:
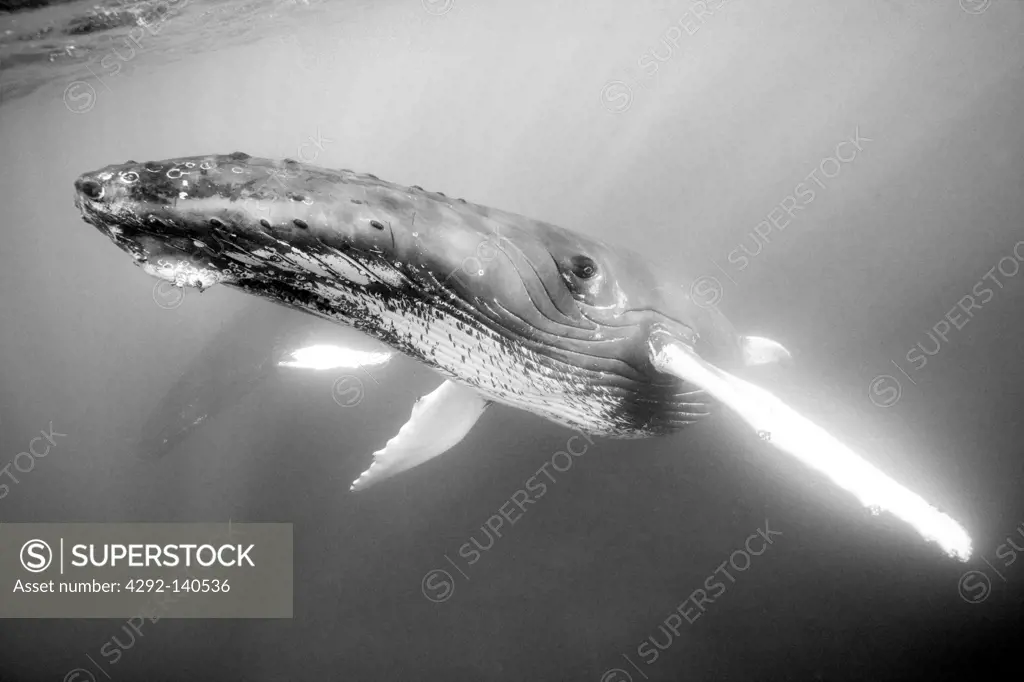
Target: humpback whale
[(507, 309)]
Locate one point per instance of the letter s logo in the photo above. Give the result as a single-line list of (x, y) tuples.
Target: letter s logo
[(438, 589), (36, 556), (616, 96), (974, 587), (79, 97)]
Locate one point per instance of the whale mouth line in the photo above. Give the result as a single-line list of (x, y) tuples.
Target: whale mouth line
[(159, 254), (286, 275), (340, 260)]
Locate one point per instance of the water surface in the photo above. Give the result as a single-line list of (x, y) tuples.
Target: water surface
[(643, 124)]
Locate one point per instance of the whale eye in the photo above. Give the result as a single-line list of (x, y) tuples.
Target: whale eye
[(583, 278), (583, 267)]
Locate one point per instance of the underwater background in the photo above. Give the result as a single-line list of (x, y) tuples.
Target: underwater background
[(838, 175)]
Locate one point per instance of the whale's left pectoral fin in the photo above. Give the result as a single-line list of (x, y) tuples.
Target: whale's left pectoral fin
[(439, 421), (784, 428)]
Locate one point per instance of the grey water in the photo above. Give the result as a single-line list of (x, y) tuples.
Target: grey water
[(846, 178)]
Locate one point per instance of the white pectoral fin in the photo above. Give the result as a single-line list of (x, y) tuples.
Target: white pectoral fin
[(439, 420), (783, 427), (758, 350)]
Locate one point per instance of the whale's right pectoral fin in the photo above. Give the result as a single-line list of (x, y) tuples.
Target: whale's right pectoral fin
[(784, 428), (439, 421), (758, 350)]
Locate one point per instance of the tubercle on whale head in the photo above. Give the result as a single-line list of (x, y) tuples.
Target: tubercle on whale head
[(304, 235), (201, 208), (190, 214)]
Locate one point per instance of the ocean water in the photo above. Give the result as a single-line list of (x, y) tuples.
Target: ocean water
[(839, 176)]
